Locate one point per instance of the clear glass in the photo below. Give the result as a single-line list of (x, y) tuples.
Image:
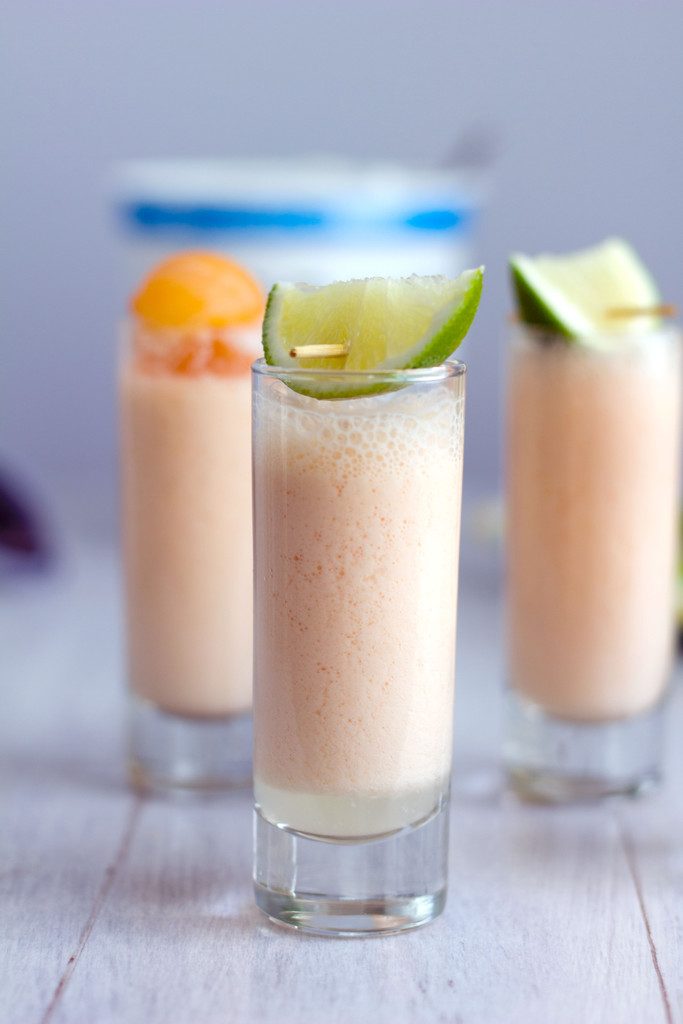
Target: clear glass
[(356, 536), (187, 537), (592, 496)]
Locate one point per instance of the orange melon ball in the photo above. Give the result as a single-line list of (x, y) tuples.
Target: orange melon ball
[(198, 290)]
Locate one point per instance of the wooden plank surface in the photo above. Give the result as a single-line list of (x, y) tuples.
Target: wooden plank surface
[(62, 802), (652, 833), (114, 909)]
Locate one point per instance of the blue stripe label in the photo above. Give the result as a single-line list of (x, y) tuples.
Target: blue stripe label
[(154, 217)]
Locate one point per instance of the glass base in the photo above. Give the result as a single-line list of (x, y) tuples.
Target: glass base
[(169, 752), (556, 760), (352, 887)]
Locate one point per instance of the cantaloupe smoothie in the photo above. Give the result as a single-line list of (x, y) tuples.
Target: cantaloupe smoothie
[(592, 460), (186, 468), (356, 552), (187, 509)]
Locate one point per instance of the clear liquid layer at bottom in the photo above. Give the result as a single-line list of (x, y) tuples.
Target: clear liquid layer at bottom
[(348, 815)]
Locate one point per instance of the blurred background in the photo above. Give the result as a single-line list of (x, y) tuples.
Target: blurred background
[(557, 121)]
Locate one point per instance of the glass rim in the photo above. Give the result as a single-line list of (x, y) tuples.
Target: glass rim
[(611, 341), (424, 374)]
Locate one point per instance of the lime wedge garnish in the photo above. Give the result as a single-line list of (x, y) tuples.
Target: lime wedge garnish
[(577, 294), (380, 323)]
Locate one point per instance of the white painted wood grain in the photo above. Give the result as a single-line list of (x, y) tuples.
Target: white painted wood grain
[(114, 913), (653, 836), (62, 804), (542, 925)]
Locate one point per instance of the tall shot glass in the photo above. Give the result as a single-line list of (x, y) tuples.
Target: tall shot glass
[(356, 528), (186, 511), (593, 436)]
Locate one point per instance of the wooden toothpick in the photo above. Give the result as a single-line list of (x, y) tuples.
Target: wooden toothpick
[(665, 309), (318, 351)]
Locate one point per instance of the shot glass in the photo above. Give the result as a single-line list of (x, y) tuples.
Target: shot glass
[(186, 518), (592, 496), (356, 529)]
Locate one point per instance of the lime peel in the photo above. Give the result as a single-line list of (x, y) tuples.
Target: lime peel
[(381, 324), (572, 295)]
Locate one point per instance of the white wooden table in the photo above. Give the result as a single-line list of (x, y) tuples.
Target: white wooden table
[(117, 909)]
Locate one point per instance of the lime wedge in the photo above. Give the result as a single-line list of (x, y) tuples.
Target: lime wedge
[(380, 323), (574, 294)]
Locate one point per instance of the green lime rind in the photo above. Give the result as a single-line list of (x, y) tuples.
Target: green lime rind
[(451, 334), (329, 391), (530, 305), (446, 332), (573, 296), (269, 317)]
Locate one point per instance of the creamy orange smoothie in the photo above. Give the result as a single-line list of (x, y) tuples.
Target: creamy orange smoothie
[(356, 554), (592, 468), (186, 474), (187, 509)]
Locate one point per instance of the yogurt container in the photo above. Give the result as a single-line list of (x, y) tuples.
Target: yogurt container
[(311, 219)]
